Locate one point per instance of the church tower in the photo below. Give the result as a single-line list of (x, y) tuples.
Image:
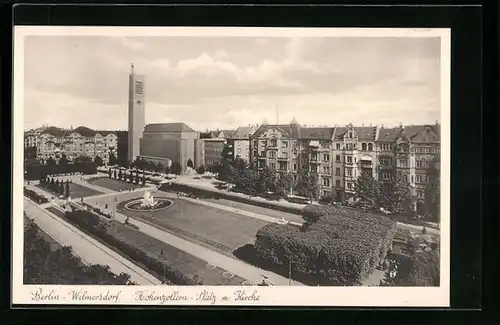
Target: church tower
[(136, 113)]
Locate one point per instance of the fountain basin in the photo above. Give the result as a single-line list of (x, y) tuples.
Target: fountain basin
[(138, 205)]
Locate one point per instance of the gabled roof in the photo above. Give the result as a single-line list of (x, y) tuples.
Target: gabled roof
[(389, 134), (226, 133), (423, 133), (290, 130), (243, 132), (316, 133), (168, 127), (366, 133)]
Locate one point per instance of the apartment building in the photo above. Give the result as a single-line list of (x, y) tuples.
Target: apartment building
[(238, 143), (340, 154), (53, 142)]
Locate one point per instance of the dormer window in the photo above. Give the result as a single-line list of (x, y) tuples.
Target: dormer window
[(350, 134)]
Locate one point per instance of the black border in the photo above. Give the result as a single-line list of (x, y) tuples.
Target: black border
[(470, 110)]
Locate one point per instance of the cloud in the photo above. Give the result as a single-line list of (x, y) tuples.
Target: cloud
[(228, 82)]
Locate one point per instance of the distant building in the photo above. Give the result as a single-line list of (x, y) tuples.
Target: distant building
[(238, 143), (136, 113), (173, 141), (212, 151), (55, 142)]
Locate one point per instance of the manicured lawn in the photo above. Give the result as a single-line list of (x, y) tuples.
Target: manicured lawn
[(256, 209), (112, 184), (226, 230), (77, 191), (187, 263)]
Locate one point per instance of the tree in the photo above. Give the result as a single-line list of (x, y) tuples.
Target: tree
[(367, 189), (109, 172), (67, 194), (396, 196), (98, 161), (200, 170), (420, 269), (114, 174), (432, 193), (112, 159), (63, 161), (285, 184), (308, 185), (190, 163), (176, 168), (248, 180), (83, 159), (51, 163), (267, 180), (228, 173), (120, 174)]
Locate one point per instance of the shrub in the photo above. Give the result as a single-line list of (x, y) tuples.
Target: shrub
[(421, 269), (327, 199), (40, 199), (337, 246)]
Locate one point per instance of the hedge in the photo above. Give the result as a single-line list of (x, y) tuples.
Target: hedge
[(40, 199), (335, 246), (92, 224), (228, 196), (36, 172)]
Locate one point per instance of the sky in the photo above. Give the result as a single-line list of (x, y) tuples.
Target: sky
[(226, 82)]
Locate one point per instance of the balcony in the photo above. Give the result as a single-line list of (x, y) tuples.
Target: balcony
[(366, 163), (283, 158)]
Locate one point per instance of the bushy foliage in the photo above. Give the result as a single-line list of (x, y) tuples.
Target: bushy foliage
[(420, 269), (46, 265), (93, 225), (336, 245)]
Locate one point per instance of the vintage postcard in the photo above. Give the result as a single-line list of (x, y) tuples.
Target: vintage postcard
[(231, 166)]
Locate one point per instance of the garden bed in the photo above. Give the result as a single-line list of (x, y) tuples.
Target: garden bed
[(157, 257), (34, 196)]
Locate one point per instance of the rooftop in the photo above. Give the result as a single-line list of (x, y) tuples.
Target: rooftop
[(168, 127)]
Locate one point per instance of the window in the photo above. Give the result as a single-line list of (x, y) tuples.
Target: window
[(326, 181), (326, 157), (337, 171), (337, 183), (386, 176), (427, 150), (284, 144), (349, 171), (411, 178), (422, 164), (326, 169), (363, 146), (349, 160), (337, 158), (294, 166), (349, 186), (272, 165), (385, 161), (272, 143), (385, 147), (272, 154), (418, 179), (284, 155), (338, 146), (370, 147), (350, 134), (403, 163)]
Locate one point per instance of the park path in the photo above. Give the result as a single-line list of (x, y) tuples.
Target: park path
[(88, 249)]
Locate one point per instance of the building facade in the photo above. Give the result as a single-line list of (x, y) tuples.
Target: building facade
[(339, 155), (136, 113), (174, 141), (212, 150), (54, 142), (238, 143)]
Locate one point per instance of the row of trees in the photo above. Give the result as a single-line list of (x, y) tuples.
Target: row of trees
[(130, 177), (396, 195), (246, 178), (56, 186)]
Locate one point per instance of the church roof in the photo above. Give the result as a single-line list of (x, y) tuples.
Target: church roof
[(168, 127)]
